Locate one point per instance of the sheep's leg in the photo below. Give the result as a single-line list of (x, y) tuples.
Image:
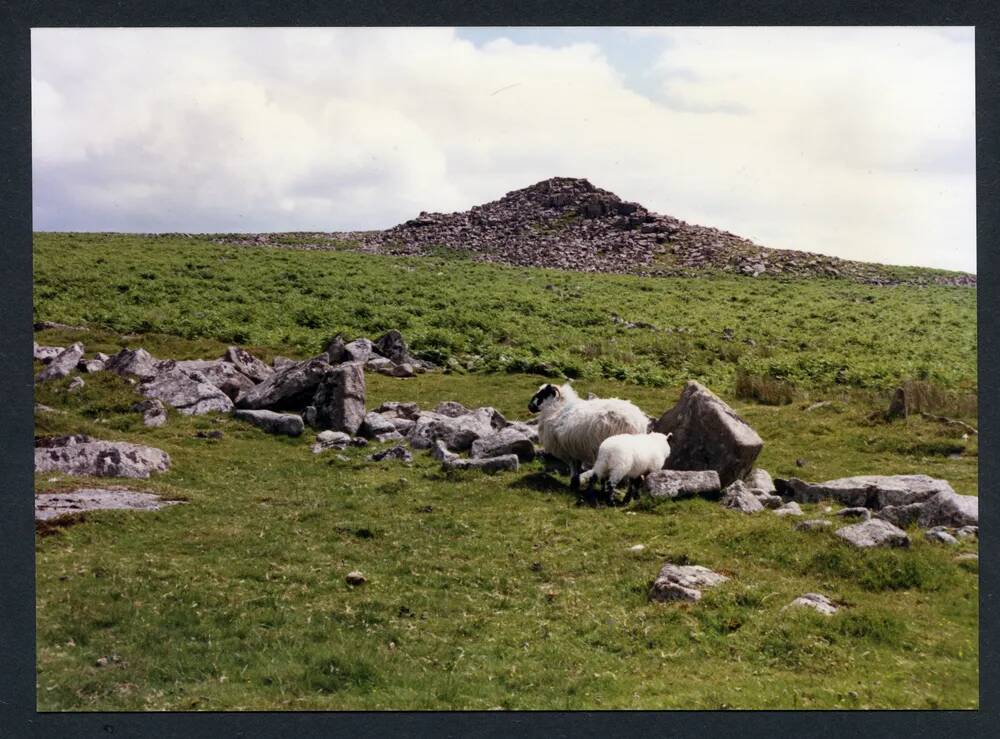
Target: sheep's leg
[(633, 489), (574, 476)]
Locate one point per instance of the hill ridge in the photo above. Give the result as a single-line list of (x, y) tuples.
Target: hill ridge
[(569, 223)]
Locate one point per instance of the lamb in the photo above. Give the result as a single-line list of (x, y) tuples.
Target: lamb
[(572, 429), (631, 456)]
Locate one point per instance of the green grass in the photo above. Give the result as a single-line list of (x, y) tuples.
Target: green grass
[(482, 591), (806, 334)]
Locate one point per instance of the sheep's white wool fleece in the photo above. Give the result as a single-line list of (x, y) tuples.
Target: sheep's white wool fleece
[(572, 429), (629, 456)]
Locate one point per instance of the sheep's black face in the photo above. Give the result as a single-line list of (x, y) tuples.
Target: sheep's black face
[(544, 393)]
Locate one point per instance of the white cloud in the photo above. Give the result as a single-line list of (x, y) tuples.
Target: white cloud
[(854, 142)]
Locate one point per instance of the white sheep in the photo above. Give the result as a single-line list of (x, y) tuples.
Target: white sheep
[(631, 456), (572, 429)]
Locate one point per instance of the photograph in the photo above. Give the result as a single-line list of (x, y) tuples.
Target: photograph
[(504, 368)]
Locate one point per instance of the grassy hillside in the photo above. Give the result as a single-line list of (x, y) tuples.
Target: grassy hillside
[(490, 592), (809, 333)]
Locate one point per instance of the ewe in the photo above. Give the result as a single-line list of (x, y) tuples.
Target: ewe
[(631, 456), (572, 429)]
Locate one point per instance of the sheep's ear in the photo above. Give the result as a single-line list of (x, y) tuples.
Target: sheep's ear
[(558, 392), (670, 435)]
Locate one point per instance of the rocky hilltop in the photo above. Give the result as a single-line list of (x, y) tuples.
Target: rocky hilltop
[(568, 223)]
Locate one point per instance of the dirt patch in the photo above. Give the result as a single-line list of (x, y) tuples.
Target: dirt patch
[(53, 505)]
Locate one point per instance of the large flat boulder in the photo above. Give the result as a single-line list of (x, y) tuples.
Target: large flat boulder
[(708, 435), (949, 509), (873, 533), (291, 387), (870, 491), (62, 364), (46, 354), (53, 505), (191, 394), (340, 398), (81, 455), (680, 483)]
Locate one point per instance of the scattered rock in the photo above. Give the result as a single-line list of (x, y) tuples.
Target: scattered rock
[(81, 455), (679, 483), (330, 440), (398, 370), (708, 435), (291, 387), (789, 509), (451, 408), (247, 364), (940, 535), (813, 524), (191, 395), (154, 414), (857, 512), (874, 533), (393, 346), (340, 398), (489, 465), (280, 363), (62, 364), (760, 480), (46, 354), (456, 432), (683, 582), (392, 409), (738, 497), (772, 502), (93, 365), (966, 531), (136, 362), (286, 424), (800, 462), (355, 578), (901, 515), (948, 508), (968, 556), (637, 548), (214, 434), (75, 384), (396, 452), (378, 427), (358, 350), (503, 442), (51, 505), (819, 603)]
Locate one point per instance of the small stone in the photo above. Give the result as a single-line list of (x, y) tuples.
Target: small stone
[(789, 509), (967, 531), (738, 497), (819, 603), (771, 501), (968, 556), (682, 582), (940, 535), (75, 384), (637, 548), (355, 578), (874, 533), (101, 662)]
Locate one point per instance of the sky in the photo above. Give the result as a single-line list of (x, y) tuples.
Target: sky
[(854, 142)]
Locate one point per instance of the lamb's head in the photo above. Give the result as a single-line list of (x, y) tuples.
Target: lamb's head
[(545, 394)]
